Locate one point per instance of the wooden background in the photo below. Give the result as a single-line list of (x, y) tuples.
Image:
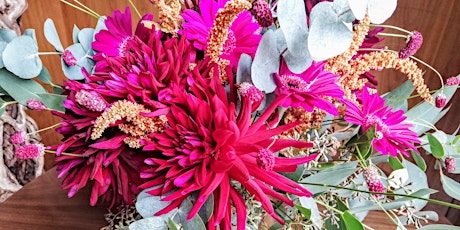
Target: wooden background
[(438, 21)]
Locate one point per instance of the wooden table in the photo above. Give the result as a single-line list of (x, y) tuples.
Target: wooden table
[(43, 205)]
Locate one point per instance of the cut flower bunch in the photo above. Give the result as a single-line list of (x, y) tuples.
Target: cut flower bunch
[(237, 114)]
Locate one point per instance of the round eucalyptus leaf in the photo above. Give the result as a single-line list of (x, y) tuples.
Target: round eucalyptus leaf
[(243, 73), (148, 206), (380, 10), (21, 57), (358, 7), (83, 61), (342, 8), (417, 181), (7, 35), (297, 63), (157, 223), (266, 62), (329, 35), (293, 22), (309, 203), (51, 35), (85, 37), (30, 33), (75, 32), (100, 26)]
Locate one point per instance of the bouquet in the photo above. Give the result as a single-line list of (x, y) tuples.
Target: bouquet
[(236, 114)]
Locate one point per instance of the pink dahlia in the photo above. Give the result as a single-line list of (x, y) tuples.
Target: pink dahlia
[(393, 136), (309, 88), (207, 148), (242, 35)]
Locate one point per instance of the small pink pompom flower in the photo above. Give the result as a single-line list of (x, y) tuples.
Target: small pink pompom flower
[(18, 138), (440, 100), (30, 151), (262, 13), (372, 178), (451, 81), (68, 58), (451, 164)]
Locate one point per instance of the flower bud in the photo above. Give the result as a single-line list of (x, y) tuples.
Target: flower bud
[(30, 151), (18, 138), (35, 104), (68, 58), (452, 81), (265, 159), (262, 13), (440, 101), (414, 43), (451, 164)]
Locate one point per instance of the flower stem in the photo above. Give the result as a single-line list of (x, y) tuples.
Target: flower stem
[(80, 9), (135, 8), (7, 103), (44, 129), (64, 153), (48, 53), (386, 26), (385, 194), (337, 211), (393, 35), (88, 9)]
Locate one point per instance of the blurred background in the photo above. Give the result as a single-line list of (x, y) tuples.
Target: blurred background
[(438, 21)]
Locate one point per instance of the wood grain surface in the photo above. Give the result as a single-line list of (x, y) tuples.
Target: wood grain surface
[(438, 21)]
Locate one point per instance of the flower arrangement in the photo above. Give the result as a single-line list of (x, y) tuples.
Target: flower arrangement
[(239, 114)]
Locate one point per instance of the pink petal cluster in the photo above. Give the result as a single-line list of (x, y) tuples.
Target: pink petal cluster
[(262, 13), (308, 89), (393, 136), (18, 138), (68, 58), (451, 164), (208, 146), (373, 181), (242, 35), (451, 81), (30, 151), (35, 104)]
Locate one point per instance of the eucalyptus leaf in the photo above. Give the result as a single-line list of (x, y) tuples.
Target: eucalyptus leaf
[(2, 106), (378, 10), (297, 63), (417, 181), (243, 73), (310, 204), (85, 38), (157, 223), (7, 35), (395, 163), (439, 227), (2, 48), (331, 176), (451, 187), (100, 25), (266, 63), (397, 98), (196, 223), (75, 32), (342, 8), (172, 225), (52, 35), (351, 222), (329, 35), (53, 101), (418, 160), (147, 207), (83, 61), (30, 33), (293, 22), (45, 76), (20, 89), (21, 57), (436, 147)]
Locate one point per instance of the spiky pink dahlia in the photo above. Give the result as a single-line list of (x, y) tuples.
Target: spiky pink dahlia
[(242, 36), (207, 147), (393, 136), (141, 75), (308, 89)]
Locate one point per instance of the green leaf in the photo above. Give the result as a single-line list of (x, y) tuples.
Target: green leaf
[(331, 176), (439, 227), (451, 187), (397, 98), (340, 204), (2, 48), (45, 76), (2, 107), (418, 160), (155, 222), (395, 163), (435, 146), (306, 213), (20, 89), (172, 225), (21, 57), (351, 222), (52, 36), (53, 101), (196, 223), (85, 38), (207, 209)]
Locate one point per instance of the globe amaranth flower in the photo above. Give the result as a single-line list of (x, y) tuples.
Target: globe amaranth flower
[(30, 151), (262, 13), (308, 89), (242, 36), (393, 136), (207, 147), (19, 138)]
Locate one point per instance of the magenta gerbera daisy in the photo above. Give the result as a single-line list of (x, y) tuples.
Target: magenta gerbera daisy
[(309, 88), (208, 147), (393, 135), (242, 34)]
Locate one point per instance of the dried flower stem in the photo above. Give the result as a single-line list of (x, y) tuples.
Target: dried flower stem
[(393, 35), (44, 129), (385, 194), (135, 8), (64, 153), (81, 9), (87, 8)]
